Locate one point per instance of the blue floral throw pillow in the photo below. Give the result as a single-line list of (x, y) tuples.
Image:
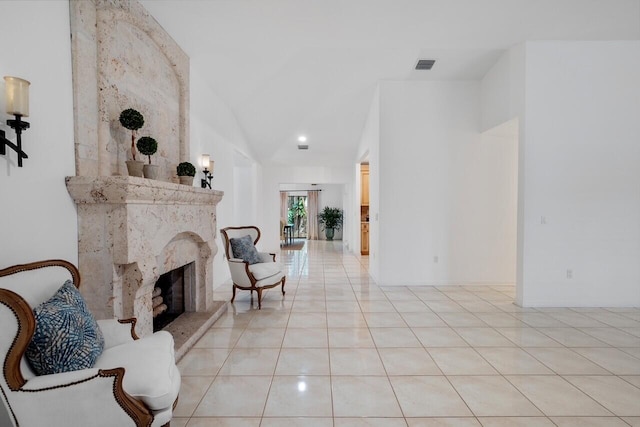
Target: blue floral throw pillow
[(67, 336), (243, 247)]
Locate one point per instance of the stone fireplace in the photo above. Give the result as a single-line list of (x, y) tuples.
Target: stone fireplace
[(132, 230)]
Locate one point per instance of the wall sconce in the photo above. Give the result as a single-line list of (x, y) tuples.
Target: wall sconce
[(17, 100), (207, 169)]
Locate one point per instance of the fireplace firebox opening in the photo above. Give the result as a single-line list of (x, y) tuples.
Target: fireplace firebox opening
[(170, 295)]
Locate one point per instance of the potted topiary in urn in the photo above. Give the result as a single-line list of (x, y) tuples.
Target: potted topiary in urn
[(148, 146), (331, 220), (132, 120), (186, 172)]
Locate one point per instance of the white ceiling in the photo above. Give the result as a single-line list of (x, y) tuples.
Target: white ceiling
[(291, 67)]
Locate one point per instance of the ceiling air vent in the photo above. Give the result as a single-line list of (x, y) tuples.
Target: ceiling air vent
[(425, 64), (303, 146)]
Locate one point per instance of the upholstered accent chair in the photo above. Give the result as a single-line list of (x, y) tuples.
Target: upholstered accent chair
[(133, 382), (246, 273)]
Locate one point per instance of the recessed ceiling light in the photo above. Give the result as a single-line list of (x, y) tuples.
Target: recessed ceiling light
[(302, 138)]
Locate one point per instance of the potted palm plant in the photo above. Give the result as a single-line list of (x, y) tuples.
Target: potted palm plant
[(186, 171), (148, 146), (132, 119), (331, 220)]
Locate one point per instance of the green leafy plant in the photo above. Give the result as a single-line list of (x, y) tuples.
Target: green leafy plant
[(330, 218), (186, 169), (132, 119), (147, 146)]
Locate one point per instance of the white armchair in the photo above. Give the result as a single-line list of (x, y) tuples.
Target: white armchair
[(257, 277), (135, 382)]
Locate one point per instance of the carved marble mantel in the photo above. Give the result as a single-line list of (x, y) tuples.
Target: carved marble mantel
[(131, 230)]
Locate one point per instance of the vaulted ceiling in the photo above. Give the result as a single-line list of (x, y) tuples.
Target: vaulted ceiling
[(292, 67)]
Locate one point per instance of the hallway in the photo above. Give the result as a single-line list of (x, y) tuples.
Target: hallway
[(338, 350)]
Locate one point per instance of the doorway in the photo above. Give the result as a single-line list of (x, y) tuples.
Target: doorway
[(297, 215)]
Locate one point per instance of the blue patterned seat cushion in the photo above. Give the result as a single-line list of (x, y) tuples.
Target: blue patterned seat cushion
[(243, 247), (67, 336)]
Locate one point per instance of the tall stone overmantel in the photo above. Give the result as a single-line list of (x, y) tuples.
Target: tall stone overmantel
[(131, 230)]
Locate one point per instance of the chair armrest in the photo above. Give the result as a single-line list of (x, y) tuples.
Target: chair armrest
[(61, 399), (117, 332), (239, 272), (267, 257)]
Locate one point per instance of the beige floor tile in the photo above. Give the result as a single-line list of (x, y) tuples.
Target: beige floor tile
[(633, 331), (318, 306), (394, 337), (377, 306), (613, 393), (231, 320), (273, 319), (613, 360), (577, 320), (635, 379), (364, 397), (564, 361), (445, 306), (408, 361), (539, 320), (614, 319), (250, 361), (370, 422), (461, 319), (588, 422), (493, 396), (384, 320), (479, 307), (223, 422), (202, 361), (343, 306), (308, 320), (416, 320), (413, 306), (428, 396), (483, 337), (305, 338), (303, 361), (192, 389), (572, 337), (296, 422), (350, 338), (227, 397), (632, 421), (528, 337), (516, 422), (261, 338), (346, 320), (444, 422), (613, 336), (179, 422), (503, 320), (355, 361), (439, 337), (461, 361), (292, 396), (219, 338), (511, 360), (556, 397)]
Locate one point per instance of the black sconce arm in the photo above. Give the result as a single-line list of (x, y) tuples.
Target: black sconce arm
[(3, 150)]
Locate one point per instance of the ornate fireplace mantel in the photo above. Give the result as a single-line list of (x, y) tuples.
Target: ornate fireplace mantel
[(131, 230)]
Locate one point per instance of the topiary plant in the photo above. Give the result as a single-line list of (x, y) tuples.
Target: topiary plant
[(132, 120), (147, 146), (186, 169)]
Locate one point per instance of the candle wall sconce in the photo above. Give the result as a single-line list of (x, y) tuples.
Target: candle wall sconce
[(207, 169), (17, 101)]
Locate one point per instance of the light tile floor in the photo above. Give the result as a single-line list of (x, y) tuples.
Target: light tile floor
[(339, 350)]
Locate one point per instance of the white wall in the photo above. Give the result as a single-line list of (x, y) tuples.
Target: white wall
[(215, 131), (582, 174), (444, 191), (37, 215)]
